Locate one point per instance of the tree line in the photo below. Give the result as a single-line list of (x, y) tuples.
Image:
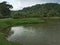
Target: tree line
[(38, 10)]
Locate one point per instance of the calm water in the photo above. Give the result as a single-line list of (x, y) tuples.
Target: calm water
[(36, 34)]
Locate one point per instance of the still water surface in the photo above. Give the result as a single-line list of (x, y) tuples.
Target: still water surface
[(36, 34)]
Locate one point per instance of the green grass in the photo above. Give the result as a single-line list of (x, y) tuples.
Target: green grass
[(7, 22), (3, 41), (4, 23), (51, 18)]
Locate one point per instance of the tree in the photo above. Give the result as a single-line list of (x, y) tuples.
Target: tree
[(52, 13), (5, 9)]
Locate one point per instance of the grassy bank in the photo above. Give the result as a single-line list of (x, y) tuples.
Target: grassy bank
[(7, 22), (3, 41), (4, 23)]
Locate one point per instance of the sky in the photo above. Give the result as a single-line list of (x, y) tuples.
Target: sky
[(20, 4)]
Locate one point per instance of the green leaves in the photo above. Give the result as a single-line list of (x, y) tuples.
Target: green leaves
[(5, 9), (39, 10)]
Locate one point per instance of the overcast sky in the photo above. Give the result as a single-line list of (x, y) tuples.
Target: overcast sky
[(19, 4)]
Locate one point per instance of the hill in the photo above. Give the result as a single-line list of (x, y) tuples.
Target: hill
[(39, 10)]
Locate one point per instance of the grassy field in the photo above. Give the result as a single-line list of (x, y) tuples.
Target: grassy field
[(4, 23)]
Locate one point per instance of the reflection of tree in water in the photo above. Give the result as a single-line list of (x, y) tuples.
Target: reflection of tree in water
[(11, 32), (6, 31)]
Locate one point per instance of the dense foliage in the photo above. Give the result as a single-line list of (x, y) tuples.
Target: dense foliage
[(5, 9), (39, 10)]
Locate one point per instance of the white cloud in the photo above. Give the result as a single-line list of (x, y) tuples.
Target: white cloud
[(19, 4)]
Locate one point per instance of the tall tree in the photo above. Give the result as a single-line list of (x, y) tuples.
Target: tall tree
[(5, 9)]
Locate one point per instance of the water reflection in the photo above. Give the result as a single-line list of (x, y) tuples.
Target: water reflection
[(36, 34)]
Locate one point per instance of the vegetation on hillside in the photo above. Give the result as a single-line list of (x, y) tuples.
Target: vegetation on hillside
[(39, 10)]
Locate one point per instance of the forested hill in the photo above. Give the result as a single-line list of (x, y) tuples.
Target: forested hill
[(39, 10)]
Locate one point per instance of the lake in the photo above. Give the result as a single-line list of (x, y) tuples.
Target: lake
[(36, 34)]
